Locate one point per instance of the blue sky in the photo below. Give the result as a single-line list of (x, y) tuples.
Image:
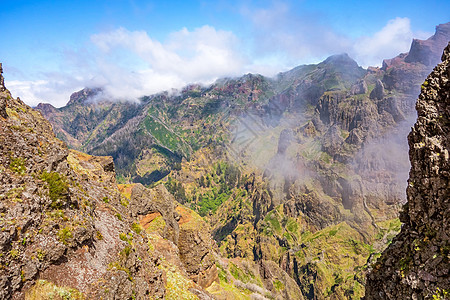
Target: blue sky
[(133, 48)]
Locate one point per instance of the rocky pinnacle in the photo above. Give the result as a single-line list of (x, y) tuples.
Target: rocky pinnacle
[(416, 265), (2, 81)]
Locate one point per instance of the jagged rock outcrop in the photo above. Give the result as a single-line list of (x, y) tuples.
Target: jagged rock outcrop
[(159, 201), (3, 100), (416, 265), (197, 249), (56, 228), (188, 232), (390, 105), (428, 51), (359, 88), (378, 91), (67, 231), (334, 108), (2, 80)]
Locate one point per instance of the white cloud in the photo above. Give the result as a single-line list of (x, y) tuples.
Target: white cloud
[(201, 56), (130, 64), (290, 37), (391, 40), (35, 92)]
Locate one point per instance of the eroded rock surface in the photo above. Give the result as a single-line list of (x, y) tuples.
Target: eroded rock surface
[(66, 226), (416, 265)]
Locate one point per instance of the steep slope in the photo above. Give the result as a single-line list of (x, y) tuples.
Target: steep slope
[(406, 71), (148, 139), (66, 230), (328, 182), (50, 216), (300, 177), (416, 265)]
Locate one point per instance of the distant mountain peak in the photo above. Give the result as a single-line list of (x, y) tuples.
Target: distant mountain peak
[(46, 108), (339, 58), (341, 61), (83, 95), (442, 30), (428, 52), (425, 52)]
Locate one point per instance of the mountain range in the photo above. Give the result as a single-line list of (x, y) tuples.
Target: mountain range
[(285, 188)]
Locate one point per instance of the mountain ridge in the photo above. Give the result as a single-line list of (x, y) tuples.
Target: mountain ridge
[(300, 178), (308, 158), (57, 212), (68, 230)]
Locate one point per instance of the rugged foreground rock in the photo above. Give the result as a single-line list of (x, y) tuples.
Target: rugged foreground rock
[(416, 265), (301, 177), (67, 231)]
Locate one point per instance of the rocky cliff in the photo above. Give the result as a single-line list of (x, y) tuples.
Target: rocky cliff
[(300, 177), (69, 232), (416, 265), (429, 51)]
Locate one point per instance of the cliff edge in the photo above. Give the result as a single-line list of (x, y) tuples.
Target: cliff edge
[(68, 232), (416, 265)]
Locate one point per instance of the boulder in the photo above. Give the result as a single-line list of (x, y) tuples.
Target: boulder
[(378, 91), (359, 88)]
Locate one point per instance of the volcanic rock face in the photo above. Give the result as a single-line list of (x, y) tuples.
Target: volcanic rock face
[(56, 229), (407, 69), (416, 265), (2, 80), (66, 228), (359, 88), (378, 91), (421, 50), (314, 203)]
